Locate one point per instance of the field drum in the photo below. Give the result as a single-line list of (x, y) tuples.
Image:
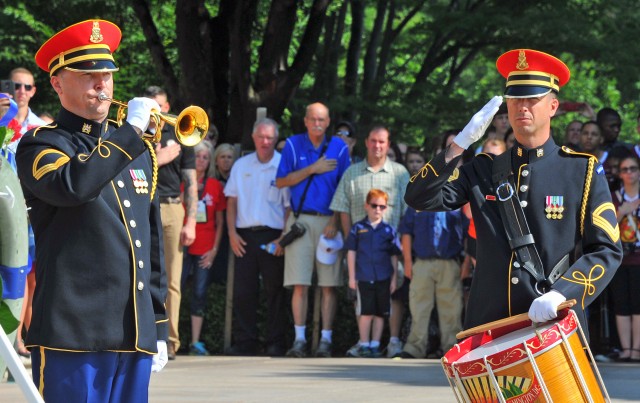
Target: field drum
[(518, 362)]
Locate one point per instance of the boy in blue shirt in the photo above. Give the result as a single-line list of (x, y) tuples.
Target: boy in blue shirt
[(372, 259)]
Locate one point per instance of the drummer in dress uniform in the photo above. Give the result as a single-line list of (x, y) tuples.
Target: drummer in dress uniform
[(99, 324), (563, 196)]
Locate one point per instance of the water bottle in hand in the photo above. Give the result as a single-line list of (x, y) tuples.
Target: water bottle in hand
[(269, 248)]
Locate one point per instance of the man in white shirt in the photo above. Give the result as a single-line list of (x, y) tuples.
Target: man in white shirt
[(256, 214)]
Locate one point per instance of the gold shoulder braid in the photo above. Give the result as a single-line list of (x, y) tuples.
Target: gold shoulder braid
[(585, 195), (154, 164)]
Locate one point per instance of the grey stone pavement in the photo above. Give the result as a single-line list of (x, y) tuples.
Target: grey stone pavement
[(263, 379)]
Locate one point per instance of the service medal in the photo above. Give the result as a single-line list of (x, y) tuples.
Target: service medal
[(554, 207), (139, 180)]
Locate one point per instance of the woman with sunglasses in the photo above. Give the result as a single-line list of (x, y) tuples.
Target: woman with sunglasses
[(625, 285)]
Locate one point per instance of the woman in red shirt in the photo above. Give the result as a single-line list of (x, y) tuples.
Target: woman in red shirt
[(625, 286), (199, 256)]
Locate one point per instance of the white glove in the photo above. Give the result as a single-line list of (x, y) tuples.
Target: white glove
[(160, 360), (474, 130), (139, 112), (545, 307)]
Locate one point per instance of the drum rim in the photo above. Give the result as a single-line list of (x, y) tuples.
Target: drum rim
[(476, 368)]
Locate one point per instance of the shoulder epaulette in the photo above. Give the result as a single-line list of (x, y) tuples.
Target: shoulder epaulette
[(490, 156), (571, 152), (49, 126)]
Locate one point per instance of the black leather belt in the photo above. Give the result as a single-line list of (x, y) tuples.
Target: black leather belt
[(315, 213), (170, 200), (257, 228)]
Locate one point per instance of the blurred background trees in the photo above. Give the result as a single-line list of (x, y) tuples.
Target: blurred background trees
[(417, 66)]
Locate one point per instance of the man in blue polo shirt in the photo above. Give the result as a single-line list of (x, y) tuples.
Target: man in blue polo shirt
[(435, 241), (318, 160)]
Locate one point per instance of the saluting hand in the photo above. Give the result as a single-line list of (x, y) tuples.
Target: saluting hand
[(474, 130)]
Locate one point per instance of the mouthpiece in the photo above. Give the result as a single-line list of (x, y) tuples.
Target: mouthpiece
[(103, 97)]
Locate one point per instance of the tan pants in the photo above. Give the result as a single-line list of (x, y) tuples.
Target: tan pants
[(434, 280), (172, 216)]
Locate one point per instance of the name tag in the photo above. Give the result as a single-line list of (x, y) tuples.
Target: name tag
[(201, 214)]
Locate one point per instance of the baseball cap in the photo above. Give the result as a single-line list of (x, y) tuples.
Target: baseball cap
[(327, 250)]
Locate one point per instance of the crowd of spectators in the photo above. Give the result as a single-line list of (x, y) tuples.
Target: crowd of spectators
[(213, 204)]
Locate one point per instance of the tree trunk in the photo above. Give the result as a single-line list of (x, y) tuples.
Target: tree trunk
[(354, 51), (158, 55)]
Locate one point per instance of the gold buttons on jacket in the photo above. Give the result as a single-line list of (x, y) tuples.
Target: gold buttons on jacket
[(140, 286), (524, 203), (138, 243), (515, 280), (127, 203), (524, 188), (120, 184), (525, 173), (140, 264), (132, 223)]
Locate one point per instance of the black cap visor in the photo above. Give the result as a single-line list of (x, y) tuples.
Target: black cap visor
[(526, 91), (93, 65)]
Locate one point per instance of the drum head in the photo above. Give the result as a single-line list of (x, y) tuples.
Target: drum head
[(505, 342)]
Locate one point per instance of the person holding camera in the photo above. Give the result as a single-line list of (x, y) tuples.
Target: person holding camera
[(99, 324), (311, 166), (22, 87), (254, 222), (625, 285)]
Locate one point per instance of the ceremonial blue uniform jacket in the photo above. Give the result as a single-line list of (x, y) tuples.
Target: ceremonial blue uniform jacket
[(100, 280), (586, 230)]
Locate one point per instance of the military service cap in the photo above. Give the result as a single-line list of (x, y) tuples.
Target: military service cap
[(531, 73), (85, 46)]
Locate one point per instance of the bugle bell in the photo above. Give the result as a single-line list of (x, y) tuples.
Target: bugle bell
[(191, 125)]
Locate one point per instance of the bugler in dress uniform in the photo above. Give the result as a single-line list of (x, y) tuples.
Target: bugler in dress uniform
[(100, 281), (564, 197)]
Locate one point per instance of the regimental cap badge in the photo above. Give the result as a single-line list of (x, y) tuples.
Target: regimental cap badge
[(522, 61), (96, 36), (531, 73), (86, 128)]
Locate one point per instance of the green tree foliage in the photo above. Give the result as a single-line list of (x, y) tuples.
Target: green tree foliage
[(417, 66)]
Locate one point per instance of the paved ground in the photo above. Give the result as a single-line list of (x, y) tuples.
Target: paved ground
[(260, 379)]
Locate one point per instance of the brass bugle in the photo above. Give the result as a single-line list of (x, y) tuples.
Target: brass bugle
[(191, 125)]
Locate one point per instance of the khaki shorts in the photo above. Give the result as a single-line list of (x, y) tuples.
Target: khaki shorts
[(300, 256)]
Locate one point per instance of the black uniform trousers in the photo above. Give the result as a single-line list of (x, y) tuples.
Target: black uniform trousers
[(256, 265)]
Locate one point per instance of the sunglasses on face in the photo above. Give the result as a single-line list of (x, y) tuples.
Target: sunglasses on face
[(378, 206), (27, 87), (628, 169)]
